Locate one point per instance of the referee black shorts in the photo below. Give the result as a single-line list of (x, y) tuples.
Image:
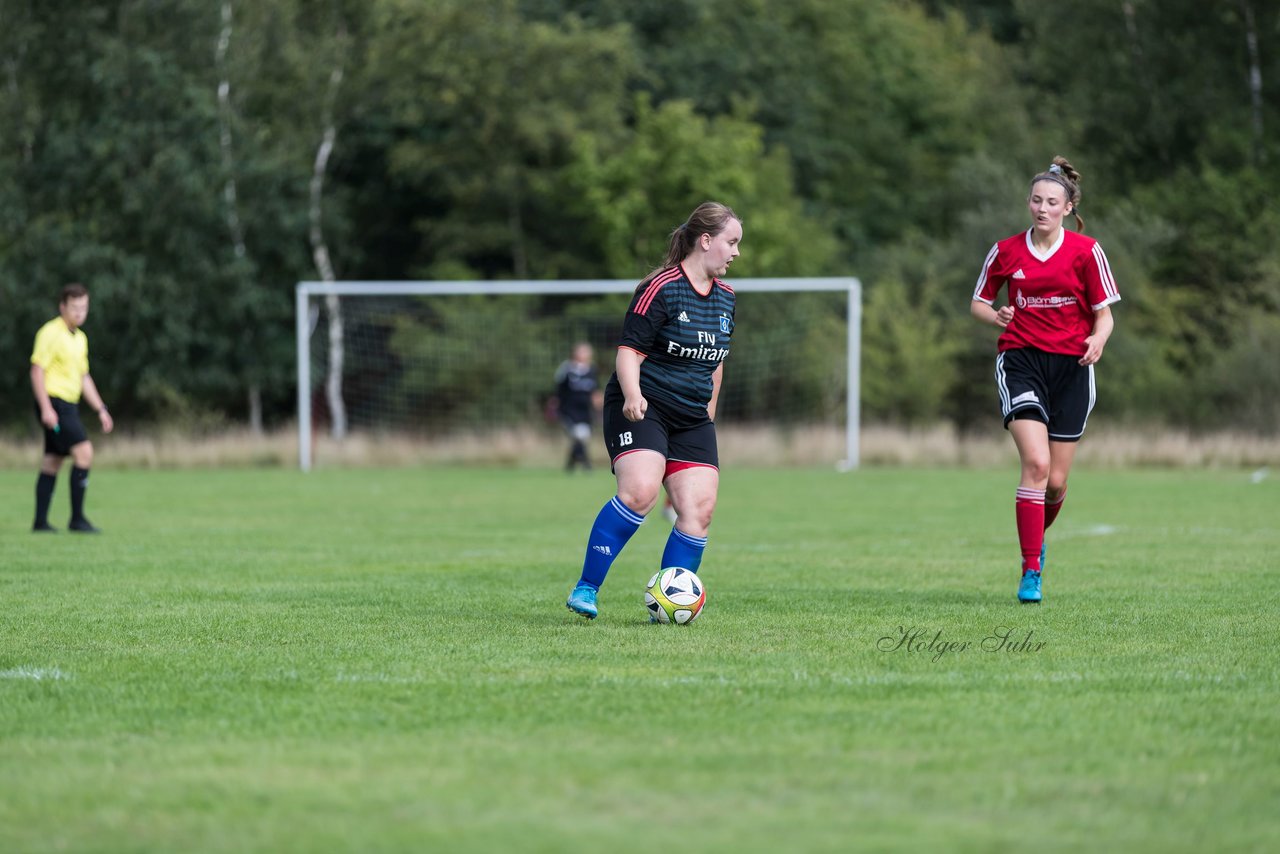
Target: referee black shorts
[(70, 430), (1048, 387), (683, 441)]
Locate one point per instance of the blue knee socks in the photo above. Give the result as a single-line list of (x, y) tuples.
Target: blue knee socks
[(613, 527), (683, 550)]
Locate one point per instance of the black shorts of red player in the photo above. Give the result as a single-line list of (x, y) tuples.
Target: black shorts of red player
[(685, 444), (70, 430), (1051, 388)]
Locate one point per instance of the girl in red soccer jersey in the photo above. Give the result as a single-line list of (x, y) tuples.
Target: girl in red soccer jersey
[(660, 404), (1055, 327)]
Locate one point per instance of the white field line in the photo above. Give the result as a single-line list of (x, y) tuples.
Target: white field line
[(37, 674)]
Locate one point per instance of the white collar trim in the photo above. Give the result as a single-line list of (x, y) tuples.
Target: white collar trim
[(1045, 256)]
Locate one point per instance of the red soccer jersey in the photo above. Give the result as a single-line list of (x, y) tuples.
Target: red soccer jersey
[(1054, 294)]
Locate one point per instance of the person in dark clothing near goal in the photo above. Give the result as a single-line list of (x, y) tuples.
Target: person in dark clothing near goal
[(59, 376), (578, 398), (660, 404)]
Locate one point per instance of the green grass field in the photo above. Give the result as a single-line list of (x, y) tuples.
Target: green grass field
[(381, 660)]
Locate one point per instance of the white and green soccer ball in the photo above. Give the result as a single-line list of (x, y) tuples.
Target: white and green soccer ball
[(675, 595)]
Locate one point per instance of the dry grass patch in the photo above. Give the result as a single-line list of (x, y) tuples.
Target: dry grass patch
[(739, 446)]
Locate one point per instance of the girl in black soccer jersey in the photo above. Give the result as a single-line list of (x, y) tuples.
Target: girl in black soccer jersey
[(577, 400), (660, 404), (1055, 327)]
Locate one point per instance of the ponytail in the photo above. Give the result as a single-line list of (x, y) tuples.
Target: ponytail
[(707, 218)]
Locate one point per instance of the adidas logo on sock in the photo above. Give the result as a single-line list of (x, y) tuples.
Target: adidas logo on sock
[(604, 550)]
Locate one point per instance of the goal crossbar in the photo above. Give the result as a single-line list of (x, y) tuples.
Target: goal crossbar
[(307, 289)]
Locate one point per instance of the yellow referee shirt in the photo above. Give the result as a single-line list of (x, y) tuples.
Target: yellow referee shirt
[(64, 356)]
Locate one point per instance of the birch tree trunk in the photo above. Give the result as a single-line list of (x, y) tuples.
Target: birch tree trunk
[(229, 195), (13, 62), (324, 266), (1255, 81), (1141, 70), (224, 133)]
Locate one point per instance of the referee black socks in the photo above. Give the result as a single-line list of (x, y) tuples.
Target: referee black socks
[(44, 494), (79, 484)]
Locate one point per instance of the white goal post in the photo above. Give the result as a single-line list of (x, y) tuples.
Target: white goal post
[(308, 315)]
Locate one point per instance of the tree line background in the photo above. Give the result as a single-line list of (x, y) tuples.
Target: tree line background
[(191, 160)]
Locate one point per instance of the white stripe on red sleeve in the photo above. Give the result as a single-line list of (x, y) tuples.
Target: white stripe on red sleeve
[(982, 277), (1109, 288)]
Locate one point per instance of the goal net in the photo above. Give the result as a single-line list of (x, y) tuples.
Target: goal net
[(447, 366)]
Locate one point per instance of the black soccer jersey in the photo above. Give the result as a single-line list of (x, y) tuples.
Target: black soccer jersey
[(683, 335), (575, 384)]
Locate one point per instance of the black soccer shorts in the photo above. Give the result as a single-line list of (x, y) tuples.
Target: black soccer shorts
[(1049, 387), (70, 430), (682, 442)]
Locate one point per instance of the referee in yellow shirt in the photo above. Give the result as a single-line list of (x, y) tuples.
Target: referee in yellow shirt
[(59, 375)]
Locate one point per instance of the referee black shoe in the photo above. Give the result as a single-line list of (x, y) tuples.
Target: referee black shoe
[(43, 528), (83, 526)]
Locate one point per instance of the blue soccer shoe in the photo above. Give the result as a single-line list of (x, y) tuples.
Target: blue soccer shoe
[(583, 601), (1029, 587)]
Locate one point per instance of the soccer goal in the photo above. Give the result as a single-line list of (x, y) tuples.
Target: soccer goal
[(435, 363)]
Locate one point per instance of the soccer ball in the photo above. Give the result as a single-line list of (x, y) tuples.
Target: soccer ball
[(675, 595)]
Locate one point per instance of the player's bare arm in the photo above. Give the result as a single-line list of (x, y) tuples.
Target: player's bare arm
[(989, 314), (94, 399), (1103, 323), (48, 417), (628, 368), (715, 391)]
